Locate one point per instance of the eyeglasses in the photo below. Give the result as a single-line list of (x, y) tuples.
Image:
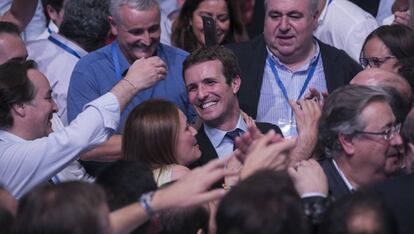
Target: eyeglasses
[(387, 134), (373, 61)]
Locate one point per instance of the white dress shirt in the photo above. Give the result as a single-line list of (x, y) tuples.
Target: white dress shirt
[(75, 170), (346, 181), (57, 65), (25, 164), (345, 26)]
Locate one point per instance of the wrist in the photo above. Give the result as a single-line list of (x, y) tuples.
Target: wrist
[(146, 202)]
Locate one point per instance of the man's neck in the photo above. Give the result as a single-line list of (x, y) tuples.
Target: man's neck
[(22, 133), (228, 123)]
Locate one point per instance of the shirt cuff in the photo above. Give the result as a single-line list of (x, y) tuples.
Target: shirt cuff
[(313, 194), (109, 109)]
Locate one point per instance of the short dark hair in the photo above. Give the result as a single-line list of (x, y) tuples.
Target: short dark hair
[(71, 207), (184, 220), (85, 22), (340, 214), (265, 202), (15, 88), (227, 58), (56, 4), (9, 28), (124, 182)]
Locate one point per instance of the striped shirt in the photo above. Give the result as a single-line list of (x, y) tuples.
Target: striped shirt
[(273, 106)]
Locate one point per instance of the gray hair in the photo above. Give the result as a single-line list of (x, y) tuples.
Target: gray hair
[(141, 5), (341, 114), (313, 5)]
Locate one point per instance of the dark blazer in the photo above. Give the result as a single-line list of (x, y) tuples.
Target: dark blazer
[(208, 152), (398, 194), (336, 185), (339, 69)]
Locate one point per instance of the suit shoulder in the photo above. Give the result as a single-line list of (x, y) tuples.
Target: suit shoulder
[(265, 127), (247, 46)]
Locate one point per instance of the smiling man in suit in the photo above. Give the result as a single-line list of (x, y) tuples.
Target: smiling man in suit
[(286, 61), (212, 81)]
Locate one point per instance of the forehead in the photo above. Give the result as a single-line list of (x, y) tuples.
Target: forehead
[(11, 46), (39, 81), (377, 115), (288, 5), (212, 6), (207, 69), (133, 18), (376, 47)]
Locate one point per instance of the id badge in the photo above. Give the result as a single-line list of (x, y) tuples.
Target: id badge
[(288, 127)]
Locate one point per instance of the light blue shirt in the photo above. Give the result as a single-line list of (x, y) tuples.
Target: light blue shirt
[(222, 144), (95, 75), (273, 106)]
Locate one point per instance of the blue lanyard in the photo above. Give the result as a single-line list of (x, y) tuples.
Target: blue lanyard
[(280, 83), (115, 60), (63, 46)]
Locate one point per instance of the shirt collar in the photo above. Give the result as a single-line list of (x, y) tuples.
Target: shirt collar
[(6, 136), (324, 12), (216, 135), (347, 183), (70, 44), (305, 67)]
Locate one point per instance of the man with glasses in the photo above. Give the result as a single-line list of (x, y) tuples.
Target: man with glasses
[(360, 138)]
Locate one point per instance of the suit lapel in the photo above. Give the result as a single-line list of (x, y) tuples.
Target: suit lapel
[(253, 78)]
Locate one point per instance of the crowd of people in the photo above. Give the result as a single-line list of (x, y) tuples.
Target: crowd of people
[(206, 116)]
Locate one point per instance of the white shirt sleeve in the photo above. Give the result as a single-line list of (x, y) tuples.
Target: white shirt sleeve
[(25, 164)]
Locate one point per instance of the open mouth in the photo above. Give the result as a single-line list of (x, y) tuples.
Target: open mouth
[(284, 37), (208, 104)]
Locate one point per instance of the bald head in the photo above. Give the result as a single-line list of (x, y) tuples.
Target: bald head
[(381, 78)]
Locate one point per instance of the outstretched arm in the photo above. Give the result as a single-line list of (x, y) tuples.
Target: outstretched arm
[(183, 193)]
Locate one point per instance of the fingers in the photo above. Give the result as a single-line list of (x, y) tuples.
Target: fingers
[(249, 120)]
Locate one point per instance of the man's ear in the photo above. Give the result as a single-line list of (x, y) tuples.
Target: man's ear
[(52, 12), (113, 24), (235, 84), (346, 143), (19, 109)]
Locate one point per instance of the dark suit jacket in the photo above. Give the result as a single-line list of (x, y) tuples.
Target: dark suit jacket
[(337, 186), (398, 194), (208, 152), (339, 69)]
